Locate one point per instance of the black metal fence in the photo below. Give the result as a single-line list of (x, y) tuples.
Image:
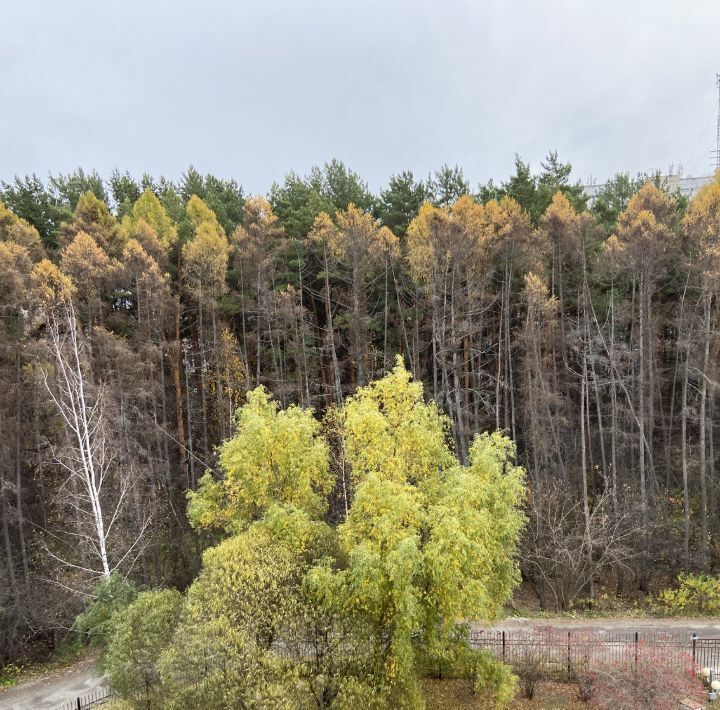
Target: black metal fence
[(92, 700), (569, 651)]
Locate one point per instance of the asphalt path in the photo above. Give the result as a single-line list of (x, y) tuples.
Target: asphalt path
[(53, 689), (704, 628)]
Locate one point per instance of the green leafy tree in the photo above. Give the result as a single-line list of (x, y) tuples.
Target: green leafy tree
[(30, 199), (555, 177), (522, 186), (140, 633), (400, 202), (297, 202), (428, 542), (289, 610), (224, 197), (288, 464), (447, 185), (71, 187), (125, 192), (112, 594), (534, 193), (210, 664), (344, 187), (247, 620), (613, 199)]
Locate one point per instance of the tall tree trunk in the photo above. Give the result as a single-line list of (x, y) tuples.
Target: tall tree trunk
[(330, 333), (18, 462), (684, 447), (179, 417), (702, 424), (203, 379)]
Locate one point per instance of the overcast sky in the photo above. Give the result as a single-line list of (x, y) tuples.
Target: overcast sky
[(252, 90)]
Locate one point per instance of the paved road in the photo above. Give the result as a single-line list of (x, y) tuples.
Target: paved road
[(49, 691), (704, 628)]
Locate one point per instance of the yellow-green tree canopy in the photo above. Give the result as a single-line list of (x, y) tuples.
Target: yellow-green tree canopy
[(199, 213), (390, 429), (291, 608), (428, 542), (276, 456), (149, 209), (204, 262), (148, 238), (140, 632)]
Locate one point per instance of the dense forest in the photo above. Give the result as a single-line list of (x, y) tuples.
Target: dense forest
[(137, 315)]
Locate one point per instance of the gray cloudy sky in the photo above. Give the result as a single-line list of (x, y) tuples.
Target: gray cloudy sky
[(254, 89)]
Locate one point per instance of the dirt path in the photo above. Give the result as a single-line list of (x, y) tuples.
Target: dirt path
[(48, 691)]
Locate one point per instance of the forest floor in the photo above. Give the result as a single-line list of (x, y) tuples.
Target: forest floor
[(457, 695)]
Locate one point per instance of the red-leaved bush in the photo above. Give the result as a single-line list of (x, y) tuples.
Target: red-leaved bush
[(659, 679)]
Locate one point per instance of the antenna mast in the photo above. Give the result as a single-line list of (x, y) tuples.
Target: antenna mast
[(717, 136)]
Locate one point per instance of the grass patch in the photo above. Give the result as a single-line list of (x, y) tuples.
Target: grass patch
[(10, 675)]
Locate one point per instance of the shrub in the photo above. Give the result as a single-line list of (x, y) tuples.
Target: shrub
[(112, 594), (530, 669), (586, 689), (140, 633), (494, 679), (658, 680), (697, 594)]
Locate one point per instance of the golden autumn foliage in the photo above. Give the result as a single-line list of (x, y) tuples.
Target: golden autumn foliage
[(15, 266), (18, 230), (50, 284), (85, 262), (92, 217), (644, 237), (701, 226)]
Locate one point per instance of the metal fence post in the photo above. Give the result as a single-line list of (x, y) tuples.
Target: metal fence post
[(79, 705), (694, 653), (503, 645), (569, 666), (636, 649)]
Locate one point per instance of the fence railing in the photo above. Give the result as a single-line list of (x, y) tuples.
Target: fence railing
[(568, 651), (91, 700), (563, 651)]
